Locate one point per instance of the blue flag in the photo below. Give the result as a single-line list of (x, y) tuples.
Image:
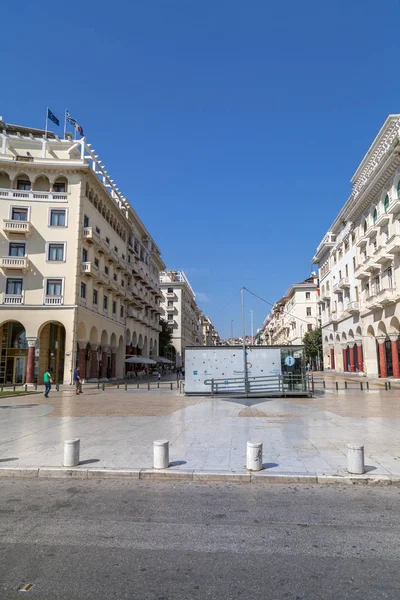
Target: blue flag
[(52, 117)]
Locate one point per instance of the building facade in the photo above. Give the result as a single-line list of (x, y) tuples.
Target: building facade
[(359, 266), (79, 272), (182, 313), (211, 336), (292, 315)]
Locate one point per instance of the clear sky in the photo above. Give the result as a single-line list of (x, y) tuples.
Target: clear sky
[(232, 127)]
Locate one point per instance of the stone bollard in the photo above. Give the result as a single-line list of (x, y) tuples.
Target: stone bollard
[(254, 456), (160, 454), (355, 459), (71, 453)]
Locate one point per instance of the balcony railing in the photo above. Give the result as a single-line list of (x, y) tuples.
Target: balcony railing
[(393, 244), (89, 268), (34, 195), (14, 262), (387, 296), (20, 227), (53, 300), (344, 283), (13, 299), (394, 206), (353, 308), (91, 235)]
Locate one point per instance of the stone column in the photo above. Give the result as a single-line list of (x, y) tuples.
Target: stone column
[(344, 351), (104, 361), (94, 363), (395, 355), (82, 359), (30, 367), (382, 357), (360, 356), (332, 351), (113, 361), (352, 358)]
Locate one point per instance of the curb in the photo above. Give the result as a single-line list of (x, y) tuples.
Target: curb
[(256, 477)]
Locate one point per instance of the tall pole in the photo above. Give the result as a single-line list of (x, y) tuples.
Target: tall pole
[(244, 344), (252, 330), (232, 329), (65, 122), (47, 116)]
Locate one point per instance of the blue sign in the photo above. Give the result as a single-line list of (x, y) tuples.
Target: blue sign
[(194, 372), (290, 361)]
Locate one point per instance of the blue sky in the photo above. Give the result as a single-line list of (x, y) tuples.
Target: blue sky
[(232, 127)]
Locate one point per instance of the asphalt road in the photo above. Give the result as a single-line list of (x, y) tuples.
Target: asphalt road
[(166, 541)]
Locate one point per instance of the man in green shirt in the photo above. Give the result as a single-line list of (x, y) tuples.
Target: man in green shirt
[(47, 383)]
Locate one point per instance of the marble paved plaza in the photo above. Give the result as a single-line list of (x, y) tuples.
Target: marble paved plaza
[(117, 428)]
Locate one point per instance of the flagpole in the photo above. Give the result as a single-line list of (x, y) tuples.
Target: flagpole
[(47, 116), (65, 123)]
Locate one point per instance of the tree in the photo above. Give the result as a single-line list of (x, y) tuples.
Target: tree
[(313, 346), (165, 338)]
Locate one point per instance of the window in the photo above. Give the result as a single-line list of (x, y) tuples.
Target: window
[(114, 307), (23, 184), (84, 255), (57, 218), (106, 269), (365, 226), (56, 252), (353, 238), (309, 327), (123, 256), (346, 245), (16, 249), (122, 283), (308, 295), (115, 277), (340, 275), (170, 317), (356, 291), (59, 187), (170, 302), (390, 278), (95, 296), (54, 287), (85, 221), (386, 203), (121, 312), (14, 286), (377, 284), (107, 240), (83, 290), (308, 311), (375, 216), (347, 270), (96, 262), (354, 262), (98, 230), (105, 302), (170, 290), (19, 214), (398, 189), (116, 249)]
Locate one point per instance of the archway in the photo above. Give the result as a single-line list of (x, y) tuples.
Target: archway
[(14, 353), (51, 337), (5, 182), (41, 184)]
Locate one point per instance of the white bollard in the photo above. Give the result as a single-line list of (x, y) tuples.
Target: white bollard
[(71, 453), (254, 456), (355, 459), (160, 454)]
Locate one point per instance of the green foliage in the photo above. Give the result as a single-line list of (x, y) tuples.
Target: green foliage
[(313, 343), (165, 338)]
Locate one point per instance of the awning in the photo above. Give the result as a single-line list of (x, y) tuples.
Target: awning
[(161, 359), (140, 360)]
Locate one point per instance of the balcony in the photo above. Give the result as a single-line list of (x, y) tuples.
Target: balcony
[(382, 220), (19, 227), (91, 235), (89, 268), (53, 300), (393, 244), (362, 241), (344, 283), (372, 266), (19, 263), (327, 243), (104, 246), (394, 206), (353, 308), (336, 288), (104, 278), (372, 231), (32, 195), (326, 295), (13, 299), (112, 285), (334, 317), (372, 302), (387, 296)]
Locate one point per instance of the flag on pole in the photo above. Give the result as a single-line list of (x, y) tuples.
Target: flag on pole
[(73, 122), (52, 117)]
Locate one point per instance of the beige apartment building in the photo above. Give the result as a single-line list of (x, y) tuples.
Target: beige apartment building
[(211, 336), (293, 315), (359, 266), (79, 272), (182, 313)]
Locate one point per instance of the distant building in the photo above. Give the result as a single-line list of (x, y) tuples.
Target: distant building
[(182, 313)]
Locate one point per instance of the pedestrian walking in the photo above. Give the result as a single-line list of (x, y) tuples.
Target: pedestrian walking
[(48, 380), (159, 375), (77, 381)]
